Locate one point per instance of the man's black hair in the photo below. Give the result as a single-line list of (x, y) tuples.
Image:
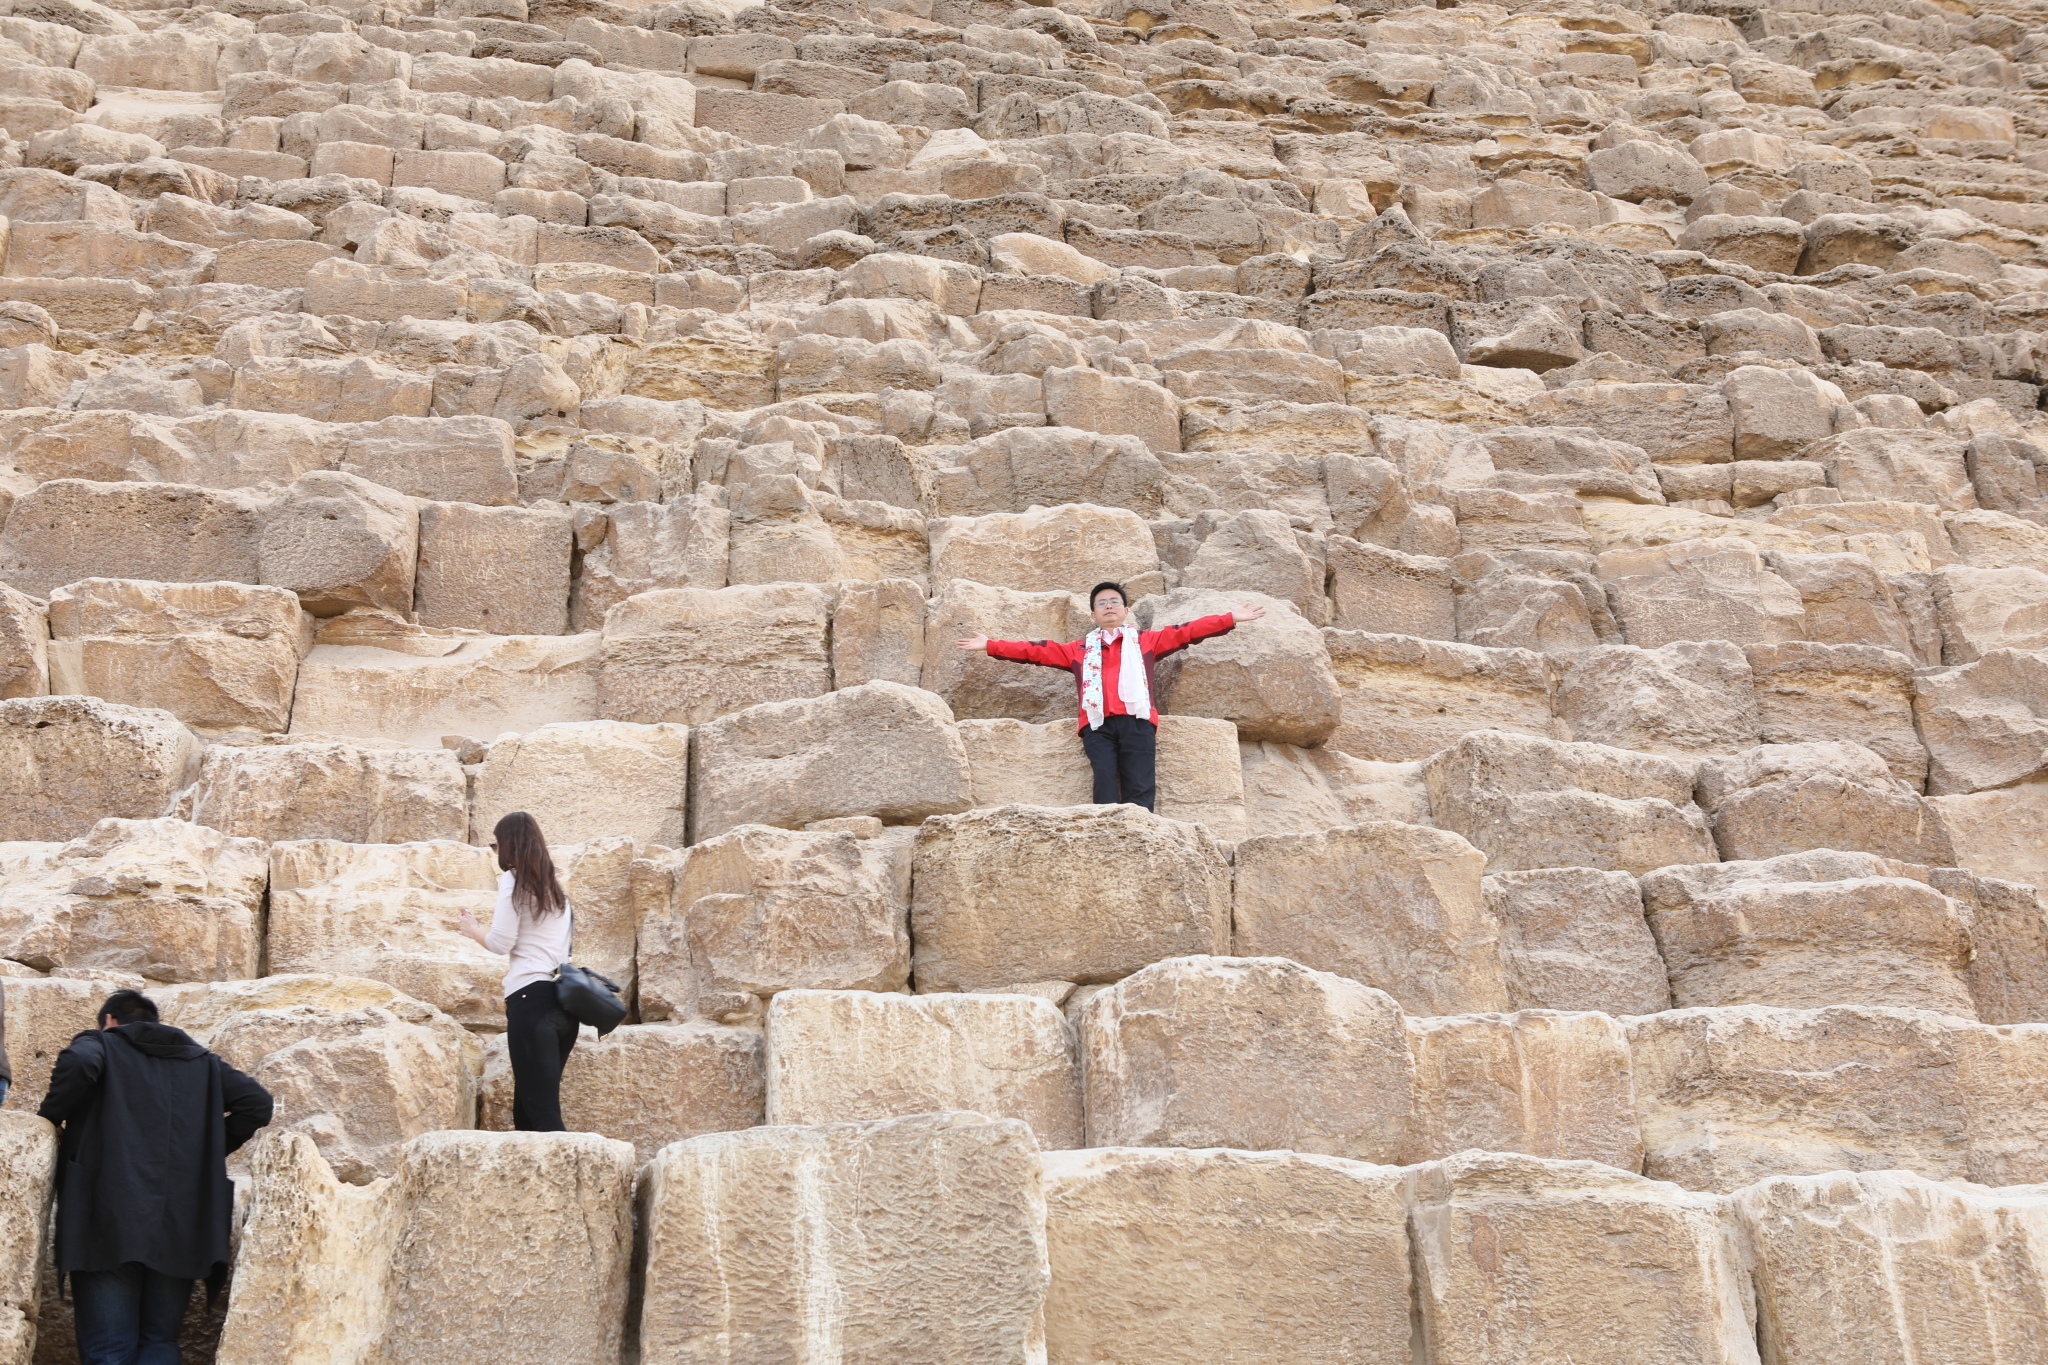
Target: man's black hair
[(1097, 591), (129, 1007)]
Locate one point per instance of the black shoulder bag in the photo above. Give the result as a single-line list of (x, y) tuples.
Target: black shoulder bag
[(588, 997)]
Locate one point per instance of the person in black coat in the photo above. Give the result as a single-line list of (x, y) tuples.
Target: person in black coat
[(144, 1203)]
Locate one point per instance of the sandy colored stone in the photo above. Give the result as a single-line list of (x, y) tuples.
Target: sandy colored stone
[(879, 749), (464, 553), (331, 790), (2001, 833), (28, 1168), (44, 1013), (1406, 698), (978, 687), (72, 761), (340, 541), (1859, 693), (758, 910), (1538, 1082), (1055, 549), (587, 780), (689, 655), (1016, 894), (1395, 906), (1232, 1257), (24, 645), (1200, 778), (69, 529), (477, 1238), (1701, 590), (1782, 798), (1290, 790), (1257, 1053), (167, 900), (1271, 677), (919, 1240), (878, 633), (1512, 1254), (1687, 699), (481, 686), (1985, 723), (647, 1084), (1572, 938), (1807, 930), (855, 1056)]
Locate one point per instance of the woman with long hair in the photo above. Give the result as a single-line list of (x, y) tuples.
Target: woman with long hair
[(530, 925)]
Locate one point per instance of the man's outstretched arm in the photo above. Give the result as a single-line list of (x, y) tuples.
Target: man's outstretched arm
[(1044, 652), (1167, 639)]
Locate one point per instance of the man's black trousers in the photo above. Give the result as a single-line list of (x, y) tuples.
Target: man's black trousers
[(1124, 754)]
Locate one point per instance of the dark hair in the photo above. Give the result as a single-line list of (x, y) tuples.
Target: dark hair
[(1100, 588), (129, 1007), (524, 853)]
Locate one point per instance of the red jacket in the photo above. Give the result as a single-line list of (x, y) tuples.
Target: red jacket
[(1154, 644)]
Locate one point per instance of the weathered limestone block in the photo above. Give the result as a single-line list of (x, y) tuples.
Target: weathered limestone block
[(28, 1169), (340, 541), (1888, 1265), (878, 633), (917, 1240), (68, 762), (1701, 590), (1406, 698), (688, 655), (1271, 678), (160, 898), (1303, 791), (880, 749), (978, 687), (1783, 798), (437, 1263), (1395, 906), (1572, 938), (1015, 894), (1047, 549), (1808, 930), (647, 1084), (855, 1056), (1531, 803), (1897, 466), (2001, 833), (1257, 1053), (1231, 1257), (1386, 592), (357, 794), (463, 556), (1985, 723), (2008, 971), (1981, 610), (1260, 551), (24, 645), (427, 686), (219, 656), (1520, 1259), (587, 780), (1730, 1096), (1858, 693), (1201, 779), (1539, 1082), (1687, 699), (758, 910), (684, 543)]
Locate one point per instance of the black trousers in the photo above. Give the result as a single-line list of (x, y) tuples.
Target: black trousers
[(1124, 753), (539, 1035)]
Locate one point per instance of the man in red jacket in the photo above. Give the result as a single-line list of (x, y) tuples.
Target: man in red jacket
[(1112, 668)]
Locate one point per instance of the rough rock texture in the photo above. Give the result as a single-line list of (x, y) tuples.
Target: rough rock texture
[(587, 780), (73, 761), (1539, 1082), (358, 794), (28, 1165)]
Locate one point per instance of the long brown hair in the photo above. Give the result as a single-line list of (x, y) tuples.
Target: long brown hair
[(524, 853)]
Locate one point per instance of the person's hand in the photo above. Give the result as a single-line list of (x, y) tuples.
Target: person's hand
[(468, 925), (974, 642), (1247, 613)]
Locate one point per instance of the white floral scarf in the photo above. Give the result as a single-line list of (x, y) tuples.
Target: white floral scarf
[(1130, 677)]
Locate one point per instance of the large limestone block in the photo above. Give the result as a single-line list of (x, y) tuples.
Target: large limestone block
[(68, 762), (1783, 798), (1888, 1265), (878, 633), (1858, 693), (1405, 698), (685, 543), (854, 1056), (1897, 466), (1985, 723), (166, 900), (647, 1084), (2008, 971), (1020, 467), (358, 794), (1730, 1096), (1519, 1259), (1687, 699), (689, 655), (1807, 930), (915, 1240), (1531, 803), (1201, 779), (69, 529), (464, 550), (1395, 906), (477, 1240), (478, 686), (1231, 1257), (880, 749), (1271, 677), (360, 1082), (1018, 894), (1257, 1053), (1539, 1082), (2002, 833), (24, 645), (978, 687), (614, 885), (1572, 938), (1048, 549), (1980, 610), (588, 780), (1302, 791), (1718, 589), (340, 541), (28, 1169), (219, 656), (758, 910)]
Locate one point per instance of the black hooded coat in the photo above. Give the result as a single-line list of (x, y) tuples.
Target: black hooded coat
[(149, 1117)]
